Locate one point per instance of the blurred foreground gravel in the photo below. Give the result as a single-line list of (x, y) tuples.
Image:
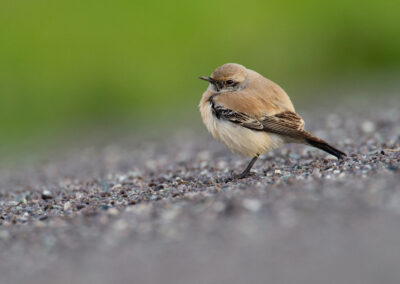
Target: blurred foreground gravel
[(142, 210)]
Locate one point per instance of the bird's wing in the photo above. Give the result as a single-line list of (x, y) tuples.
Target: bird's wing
[(286, 123)]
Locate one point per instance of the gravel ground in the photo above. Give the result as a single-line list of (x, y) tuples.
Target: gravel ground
[(151, 211)]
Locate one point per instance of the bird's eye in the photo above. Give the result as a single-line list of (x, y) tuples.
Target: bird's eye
[(229, 82)]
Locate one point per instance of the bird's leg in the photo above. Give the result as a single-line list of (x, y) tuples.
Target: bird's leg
[(246, 172)]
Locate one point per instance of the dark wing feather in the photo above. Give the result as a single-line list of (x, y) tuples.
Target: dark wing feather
[(286, 123), (240, 118)]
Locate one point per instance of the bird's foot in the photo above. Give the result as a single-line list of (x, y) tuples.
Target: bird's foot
[(241, 176), (233, 176), (244, 175)]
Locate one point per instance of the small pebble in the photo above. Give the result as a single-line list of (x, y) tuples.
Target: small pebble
[(316, 173), (67, 205), (46, 194), (368, 126)]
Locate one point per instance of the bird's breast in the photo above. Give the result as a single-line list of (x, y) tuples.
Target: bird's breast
[(237, 138)]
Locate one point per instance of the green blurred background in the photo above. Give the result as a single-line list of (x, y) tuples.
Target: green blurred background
[(80, 64)]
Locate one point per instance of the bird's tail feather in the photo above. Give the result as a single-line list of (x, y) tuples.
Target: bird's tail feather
[(323, 145)]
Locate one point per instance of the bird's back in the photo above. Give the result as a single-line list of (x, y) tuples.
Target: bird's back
[(260, 97)]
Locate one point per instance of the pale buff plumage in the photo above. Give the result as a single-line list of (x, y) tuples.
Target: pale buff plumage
[(260, 97), (252, 114)]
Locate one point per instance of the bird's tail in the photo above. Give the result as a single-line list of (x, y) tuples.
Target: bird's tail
[(323, 145)]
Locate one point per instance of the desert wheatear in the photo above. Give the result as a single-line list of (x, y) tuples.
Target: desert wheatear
[(252, 114)]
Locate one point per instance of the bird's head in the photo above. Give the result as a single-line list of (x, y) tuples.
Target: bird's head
[(228, 77)]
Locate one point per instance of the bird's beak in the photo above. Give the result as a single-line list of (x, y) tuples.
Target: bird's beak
[(208, 79)]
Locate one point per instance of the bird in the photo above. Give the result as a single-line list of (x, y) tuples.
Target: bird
[(251, 114)]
